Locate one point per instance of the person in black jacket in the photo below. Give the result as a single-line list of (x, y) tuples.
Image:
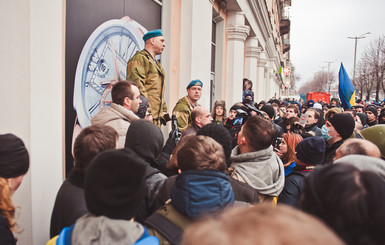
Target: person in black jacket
[(70, 203), (309, 153), (336, 130), (14, 164), (146, 140)]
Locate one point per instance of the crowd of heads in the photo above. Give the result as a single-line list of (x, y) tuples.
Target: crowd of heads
[(342, 196)]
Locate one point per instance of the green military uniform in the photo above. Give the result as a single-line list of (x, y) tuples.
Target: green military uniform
[(182, 111), (149, 75)]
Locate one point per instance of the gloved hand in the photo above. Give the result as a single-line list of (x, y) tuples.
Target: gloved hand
[(173, 139)]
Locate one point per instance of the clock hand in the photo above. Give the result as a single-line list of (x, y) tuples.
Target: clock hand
[(115, 65)]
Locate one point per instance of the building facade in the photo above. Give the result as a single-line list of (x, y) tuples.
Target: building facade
[(217, 41)]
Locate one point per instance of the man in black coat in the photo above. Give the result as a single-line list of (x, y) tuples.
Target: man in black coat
[(70, 203), (336, 130)]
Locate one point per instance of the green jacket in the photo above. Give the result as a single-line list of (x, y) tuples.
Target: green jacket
[(182, 111), (173, 215), (149, 75)]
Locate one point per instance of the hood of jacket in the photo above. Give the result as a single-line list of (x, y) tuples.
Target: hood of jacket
[(115, 112), (145, 139), (90, 229), (263, 170), (197, 192)]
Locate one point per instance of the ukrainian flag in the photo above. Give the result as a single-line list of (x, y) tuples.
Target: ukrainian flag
[(346, 89)]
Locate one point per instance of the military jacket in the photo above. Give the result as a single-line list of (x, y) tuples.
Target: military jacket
[(149, 75)]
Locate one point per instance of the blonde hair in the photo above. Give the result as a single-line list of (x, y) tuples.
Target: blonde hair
[(260, 224), (7, 209)]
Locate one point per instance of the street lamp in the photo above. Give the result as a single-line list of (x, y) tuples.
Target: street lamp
[(355, 50), (327, 83)]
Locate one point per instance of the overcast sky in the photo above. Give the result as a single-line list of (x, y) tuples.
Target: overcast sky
[(319, 31)]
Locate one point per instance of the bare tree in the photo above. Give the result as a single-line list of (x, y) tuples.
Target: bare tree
[(319, 83), (374, 56), (365, 81)]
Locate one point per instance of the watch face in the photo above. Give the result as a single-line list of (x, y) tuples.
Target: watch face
[(103, 62)]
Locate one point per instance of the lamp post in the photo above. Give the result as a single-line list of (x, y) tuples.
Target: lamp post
[(327, 82), (355, 50)]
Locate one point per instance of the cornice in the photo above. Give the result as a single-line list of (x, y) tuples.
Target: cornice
[(237, 32), (253, 52), (259, 9)]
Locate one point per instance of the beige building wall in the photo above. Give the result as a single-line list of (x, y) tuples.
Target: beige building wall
[(32, 102)]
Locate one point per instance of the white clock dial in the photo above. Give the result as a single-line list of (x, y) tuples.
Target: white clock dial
[(103, 61)]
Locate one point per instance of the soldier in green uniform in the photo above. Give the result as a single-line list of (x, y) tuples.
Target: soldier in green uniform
[(144, 70), (185, 105)]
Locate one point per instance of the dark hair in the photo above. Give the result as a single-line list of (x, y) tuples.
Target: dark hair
[(91, 141), (121, 90), (201, 152), (258, 132), (247, 81), (294, 107), (350, 201), (316, 113)]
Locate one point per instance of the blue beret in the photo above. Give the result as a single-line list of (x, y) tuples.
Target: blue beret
[(195, 82), (152, 33)]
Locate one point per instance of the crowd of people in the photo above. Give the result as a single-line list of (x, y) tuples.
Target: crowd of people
[(273, 172)]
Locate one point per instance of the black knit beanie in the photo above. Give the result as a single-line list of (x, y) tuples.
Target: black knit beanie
[(221, 135), (269, 110), (373, 109), (114, 184), (343, 123), (14, 158), (311, 150)]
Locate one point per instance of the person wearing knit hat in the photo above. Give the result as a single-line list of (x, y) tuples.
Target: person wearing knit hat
[(335, 131), (269, 111), (14, 164), (372, 113), (114, 189), (309, 153), (185, 105), (144, 70)]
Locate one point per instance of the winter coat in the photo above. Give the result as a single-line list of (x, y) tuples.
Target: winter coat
[(117, 117), (146, 141), (192, 130), (330, 152), (242, 192), (314, 130), (182, 111), (189, 201), (294, 185), (6, 235), (262, 170), (90, 229), (70, 203), (148, 73)]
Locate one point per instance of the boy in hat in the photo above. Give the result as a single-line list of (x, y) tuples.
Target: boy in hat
[(336, 130), (114, 189)]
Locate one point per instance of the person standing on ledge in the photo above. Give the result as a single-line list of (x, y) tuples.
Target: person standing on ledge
[(144, 70)]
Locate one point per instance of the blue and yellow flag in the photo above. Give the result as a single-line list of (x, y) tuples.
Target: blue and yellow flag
[(346, 89)]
